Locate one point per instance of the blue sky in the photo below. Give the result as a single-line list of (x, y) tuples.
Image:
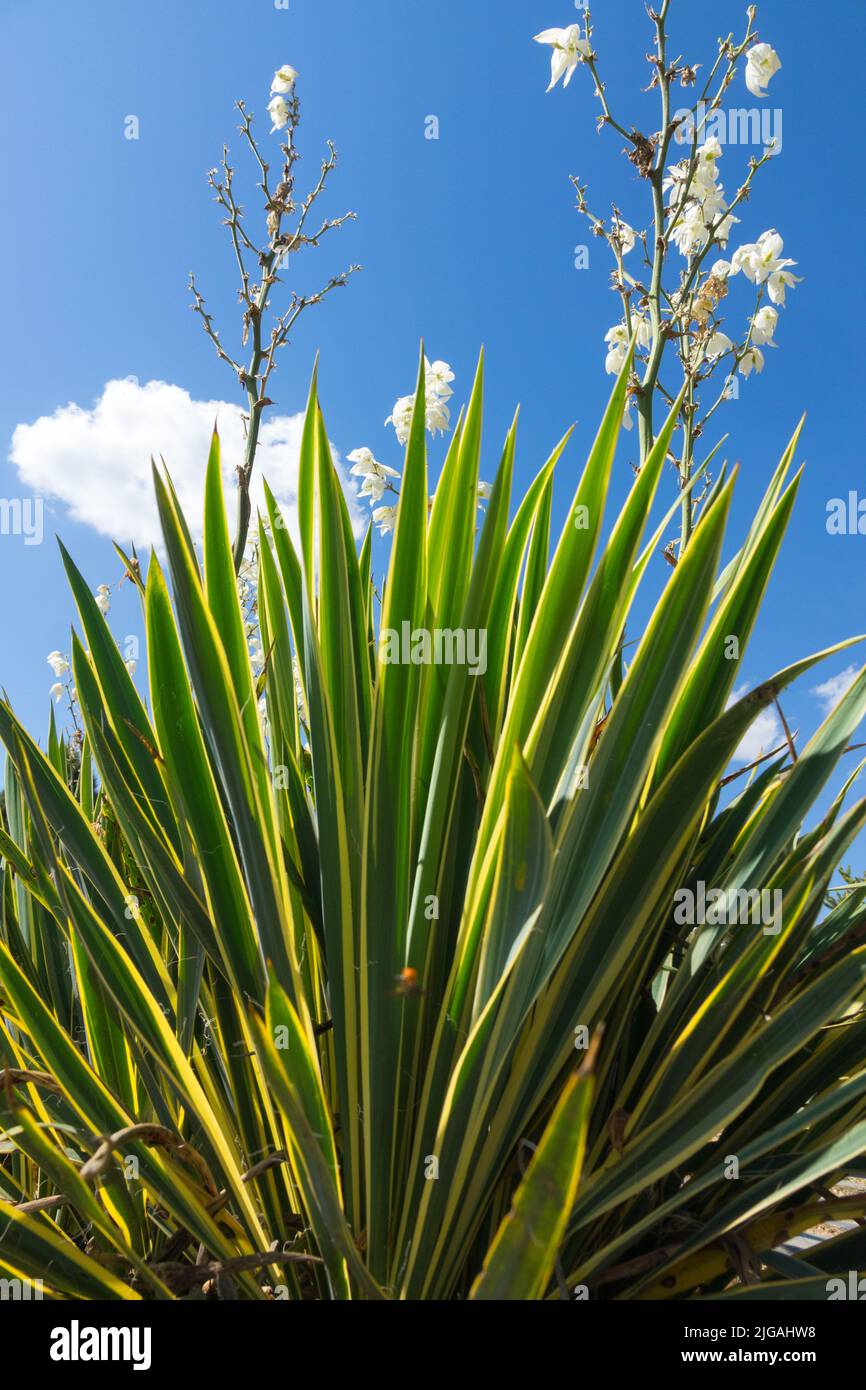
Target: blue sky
[(467, 239)]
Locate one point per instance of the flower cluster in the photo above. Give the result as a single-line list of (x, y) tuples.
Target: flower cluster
[(698, 216), (438, 391), (59, 663), (374, 474), (60, 666), (283, 86), (377, 477), (697, 202), (437, 416), (762, 262), (703, 216)]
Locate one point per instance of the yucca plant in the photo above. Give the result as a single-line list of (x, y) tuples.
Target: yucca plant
[(388, 994)]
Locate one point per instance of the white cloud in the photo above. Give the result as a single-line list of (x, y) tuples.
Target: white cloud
[(764, 733), (97, 461), (830, 692)]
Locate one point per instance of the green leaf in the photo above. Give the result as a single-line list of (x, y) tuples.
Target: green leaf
[(521, 1259)]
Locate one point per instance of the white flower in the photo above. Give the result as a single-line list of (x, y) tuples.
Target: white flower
[(766, 257), (103, 602), (56, 691), (131, 665), (746, 258), (484, 491), (617, 341), (761, 63), (779, 281), (752, 360), (58, 663), (437, 378), (643, 329), (401, 417), (363, 461), (712, 204), (764, 326), (437, 415), (278, 110), (762, 260), (385, 518), (437, 389), (627, 421), (375, 474), (721, 270), (709, 152), (615, 360), (284, 79), (717, 344), (569, 49), (722, 230), (625, 235), (689, 231), (675, 176)]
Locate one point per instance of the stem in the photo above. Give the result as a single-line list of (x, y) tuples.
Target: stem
[(645, 396), (255, 403)]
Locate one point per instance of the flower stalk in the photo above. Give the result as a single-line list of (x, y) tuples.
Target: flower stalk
[(260, 266)]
